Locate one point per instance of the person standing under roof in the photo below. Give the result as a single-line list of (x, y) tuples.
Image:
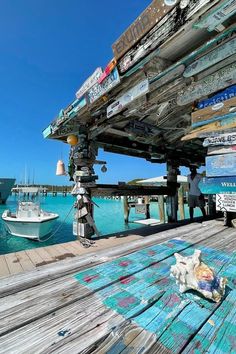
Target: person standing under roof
[(196, 198)]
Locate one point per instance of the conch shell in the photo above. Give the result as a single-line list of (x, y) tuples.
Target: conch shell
[(191, 273)]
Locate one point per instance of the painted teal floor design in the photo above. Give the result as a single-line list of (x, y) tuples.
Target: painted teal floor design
[(139, 288)]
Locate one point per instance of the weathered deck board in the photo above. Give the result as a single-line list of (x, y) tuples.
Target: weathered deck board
[(4, 270), (13, 263), (122, 300)]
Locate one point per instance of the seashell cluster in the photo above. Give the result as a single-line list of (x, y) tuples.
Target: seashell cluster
[(191, 273)]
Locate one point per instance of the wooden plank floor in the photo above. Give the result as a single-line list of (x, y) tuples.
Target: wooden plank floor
[(18, 262), (121, 299)]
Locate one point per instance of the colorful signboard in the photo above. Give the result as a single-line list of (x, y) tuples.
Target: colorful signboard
[(79, 105), (217, 150), (212, 83), (108, 69), (218, 109), (226, 202), (215, 56), (220, 139), (221, 165), (218, 185), (148, 19), (214, 119), (92, 80), (139, 90), (47, 131), (224, 95), (108, 83), (217, 16)]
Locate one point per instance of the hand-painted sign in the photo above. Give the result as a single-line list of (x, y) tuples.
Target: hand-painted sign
[(214, 119), (148, 18), (92, 80), (108, 69), (217, 185), (216, 17), (217, 150), (79, 105), (141, 89), (221, 139), (108, 83), (226, 202), (47, 131), (218, 109), (221, 165), (212, 83), (215, 56), (224, 95)]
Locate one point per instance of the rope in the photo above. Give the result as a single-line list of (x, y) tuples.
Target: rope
[(58, 228)]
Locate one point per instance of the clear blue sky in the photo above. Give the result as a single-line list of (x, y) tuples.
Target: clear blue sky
[(47, 50)]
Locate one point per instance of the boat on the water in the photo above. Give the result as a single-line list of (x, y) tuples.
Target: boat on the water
[(29, 220), (6, 185)]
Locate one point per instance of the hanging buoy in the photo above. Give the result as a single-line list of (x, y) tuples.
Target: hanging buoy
[(72, 139), (104, 169), (60, 171)]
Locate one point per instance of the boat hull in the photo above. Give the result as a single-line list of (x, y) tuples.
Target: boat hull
[(34, 230)]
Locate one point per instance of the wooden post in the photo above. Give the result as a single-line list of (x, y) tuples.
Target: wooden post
[(126, 209), (147, 202), (211, 205), (172, 200), (181, 202), (161, 208)]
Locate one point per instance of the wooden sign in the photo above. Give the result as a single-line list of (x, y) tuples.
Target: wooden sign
[(212, 83), (220, 139), (217, 16), (215, 56), (218, 109), (224, 95), (222, 125), (148, 19), (217, 150), (214, 119), (139, 90), (47, 131), (108, 69), (221, 165), (217, 185), (79, 105), (92, 80), (142, 63), (226, 202), (108, 83)]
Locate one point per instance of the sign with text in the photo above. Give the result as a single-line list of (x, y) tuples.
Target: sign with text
[(221, 165), (221, 139), (141, 89), (218, 185), (89, 82), (105, 86), (226, 202), (148, 19)]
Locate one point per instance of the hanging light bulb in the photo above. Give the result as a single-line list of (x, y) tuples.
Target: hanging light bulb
[(60, 171), (170, 2), (72, 139), (104, 169)]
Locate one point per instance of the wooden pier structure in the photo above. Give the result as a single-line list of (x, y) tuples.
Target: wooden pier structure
[(121, 299)]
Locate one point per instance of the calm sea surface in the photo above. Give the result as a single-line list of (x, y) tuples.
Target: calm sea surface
[(109, 219)]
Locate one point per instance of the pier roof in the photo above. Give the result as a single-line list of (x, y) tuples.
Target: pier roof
[(167, 61)]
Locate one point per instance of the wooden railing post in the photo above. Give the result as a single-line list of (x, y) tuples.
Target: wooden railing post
[(181, 202), (161, 208)]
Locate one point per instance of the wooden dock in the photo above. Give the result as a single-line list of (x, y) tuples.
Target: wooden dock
[(122, 300)]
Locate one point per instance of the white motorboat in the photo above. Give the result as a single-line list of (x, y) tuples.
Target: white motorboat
[(29, 220)]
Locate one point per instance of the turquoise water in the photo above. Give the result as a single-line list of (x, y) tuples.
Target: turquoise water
[(109, 219)]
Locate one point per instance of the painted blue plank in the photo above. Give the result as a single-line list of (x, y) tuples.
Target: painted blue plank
[(215, 119), (224, 95), (218, 185), (221, 165)]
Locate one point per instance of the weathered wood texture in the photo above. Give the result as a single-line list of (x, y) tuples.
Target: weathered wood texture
[(125, 303)]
